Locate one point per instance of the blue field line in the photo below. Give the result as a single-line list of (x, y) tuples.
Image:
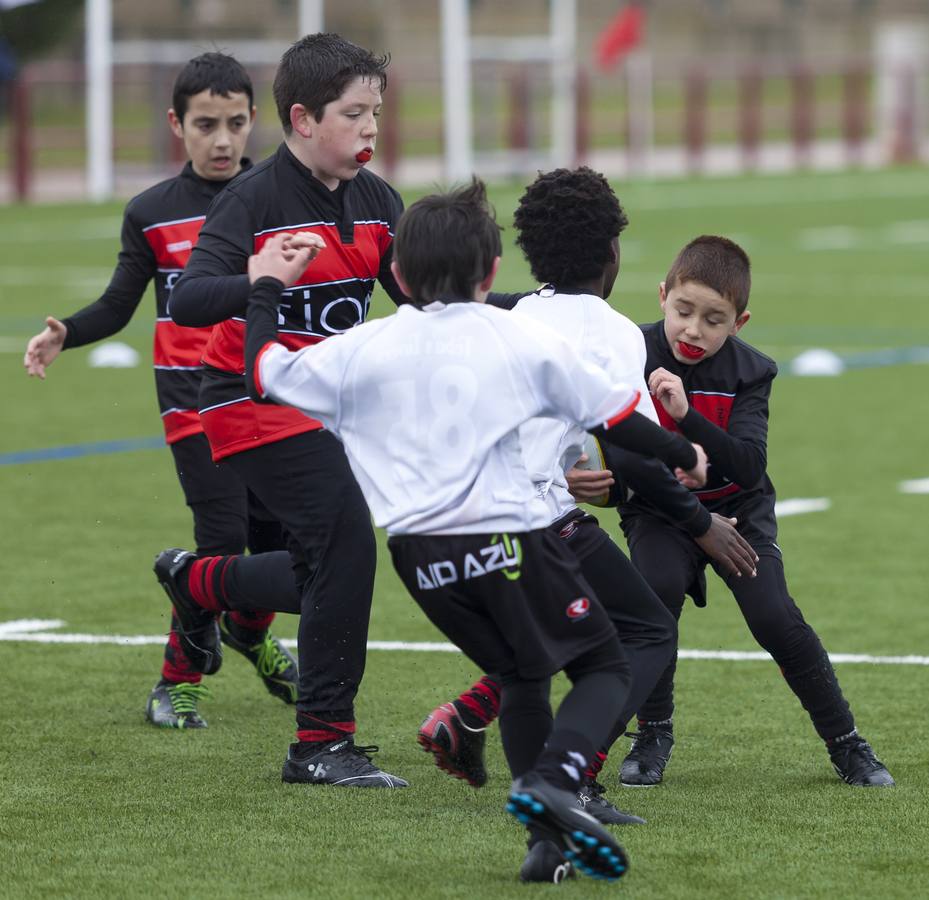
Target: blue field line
[(72, 451)]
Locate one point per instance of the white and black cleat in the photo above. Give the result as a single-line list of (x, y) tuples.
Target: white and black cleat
[(340, 763)]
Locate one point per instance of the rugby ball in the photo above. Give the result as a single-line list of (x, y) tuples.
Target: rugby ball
[(595, 462)]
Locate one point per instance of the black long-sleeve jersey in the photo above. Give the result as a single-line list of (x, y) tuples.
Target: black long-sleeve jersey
[(357, 222), (160, 228), (728, 395)]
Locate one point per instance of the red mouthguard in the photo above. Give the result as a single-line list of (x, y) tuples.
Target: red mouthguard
[(689, 350), (364, 156)]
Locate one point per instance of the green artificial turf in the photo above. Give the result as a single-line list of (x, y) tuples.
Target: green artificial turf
[(95, 803)]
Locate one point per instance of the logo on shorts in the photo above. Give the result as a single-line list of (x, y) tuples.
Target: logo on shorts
[(504, 555), (578, 609), (568, 530)]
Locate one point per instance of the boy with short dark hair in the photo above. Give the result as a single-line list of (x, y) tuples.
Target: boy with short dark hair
[(328, 95), (212, 112), (713, 388), (428, 403)]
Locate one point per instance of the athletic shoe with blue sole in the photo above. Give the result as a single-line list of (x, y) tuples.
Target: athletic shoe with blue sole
[(584, 842)]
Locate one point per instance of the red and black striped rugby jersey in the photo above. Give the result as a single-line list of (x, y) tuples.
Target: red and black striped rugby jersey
[(160, 228), (357, 222)]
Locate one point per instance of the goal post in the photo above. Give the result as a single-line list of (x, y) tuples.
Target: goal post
[(460, 50)]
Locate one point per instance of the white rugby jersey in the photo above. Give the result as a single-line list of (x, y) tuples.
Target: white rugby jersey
[(428, 404), (602, 337)]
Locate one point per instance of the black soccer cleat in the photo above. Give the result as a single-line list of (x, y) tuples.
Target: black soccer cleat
[(585, 843), (340, 763), (458, 749), (855, 763), (174, 705), (198, 632), (545, 863), (274, 664), (645, 763), (591, 799)]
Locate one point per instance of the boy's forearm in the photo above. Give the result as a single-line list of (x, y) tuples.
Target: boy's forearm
[(640, 434), (654, 482), (260, 331), (112, 311), (198, 300), (739, 459)]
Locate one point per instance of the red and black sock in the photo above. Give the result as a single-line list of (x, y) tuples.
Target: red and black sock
[(206, 582), (480, 704), (595, 767), (176, 668), (250, 626), (316, 730)]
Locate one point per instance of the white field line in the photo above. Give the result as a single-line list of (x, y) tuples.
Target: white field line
[(35, 631), (916, 486), (801, 505)]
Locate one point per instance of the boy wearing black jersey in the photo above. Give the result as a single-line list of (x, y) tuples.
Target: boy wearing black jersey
[(428, 403), (713, 388), (212, 112), (328, 96)]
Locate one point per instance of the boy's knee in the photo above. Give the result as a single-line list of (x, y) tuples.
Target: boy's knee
[(608, 657)]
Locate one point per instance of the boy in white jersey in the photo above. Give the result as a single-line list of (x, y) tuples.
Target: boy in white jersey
[(568, 223), (428, 404)]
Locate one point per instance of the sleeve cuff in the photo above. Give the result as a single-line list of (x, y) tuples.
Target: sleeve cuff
[(699, 524), (624, 413)]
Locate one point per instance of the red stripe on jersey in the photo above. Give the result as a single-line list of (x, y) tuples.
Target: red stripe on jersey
[(624, 413), (720, 492), (714, 407), (360, 259), (181, 424), (245, 425), (172, 242), (225, 348), (664, 419), (176, 345)]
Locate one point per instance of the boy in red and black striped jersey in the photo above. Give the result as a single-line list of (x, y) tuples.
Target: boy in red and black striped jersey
[(212, 112), (328, 95), (713, 388)]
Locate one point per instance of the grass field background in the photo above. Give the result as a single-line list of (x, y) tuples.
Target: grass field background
[(95, 803)]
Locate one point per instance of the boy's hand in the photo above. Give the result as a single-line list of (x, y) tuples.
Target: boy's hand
[(724, 545), (669, 389), (43, 349), (285, 256), (586, 485), (695, 477)]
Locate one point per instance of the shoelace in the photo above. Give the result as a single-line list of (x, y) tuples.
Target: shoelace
[(361, 756), (860, 748), (184, 696), (271, 658)]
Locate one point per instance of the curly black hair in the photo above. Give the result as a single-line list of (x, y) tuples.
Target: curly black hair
[(566, 222)]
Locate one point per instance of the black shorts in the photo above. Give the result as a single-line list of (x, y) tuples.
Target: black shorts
[(581, 532), (511, 602)]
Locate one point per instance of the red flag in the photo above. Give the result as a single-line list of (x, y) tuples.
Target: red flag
[(622, 34)]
